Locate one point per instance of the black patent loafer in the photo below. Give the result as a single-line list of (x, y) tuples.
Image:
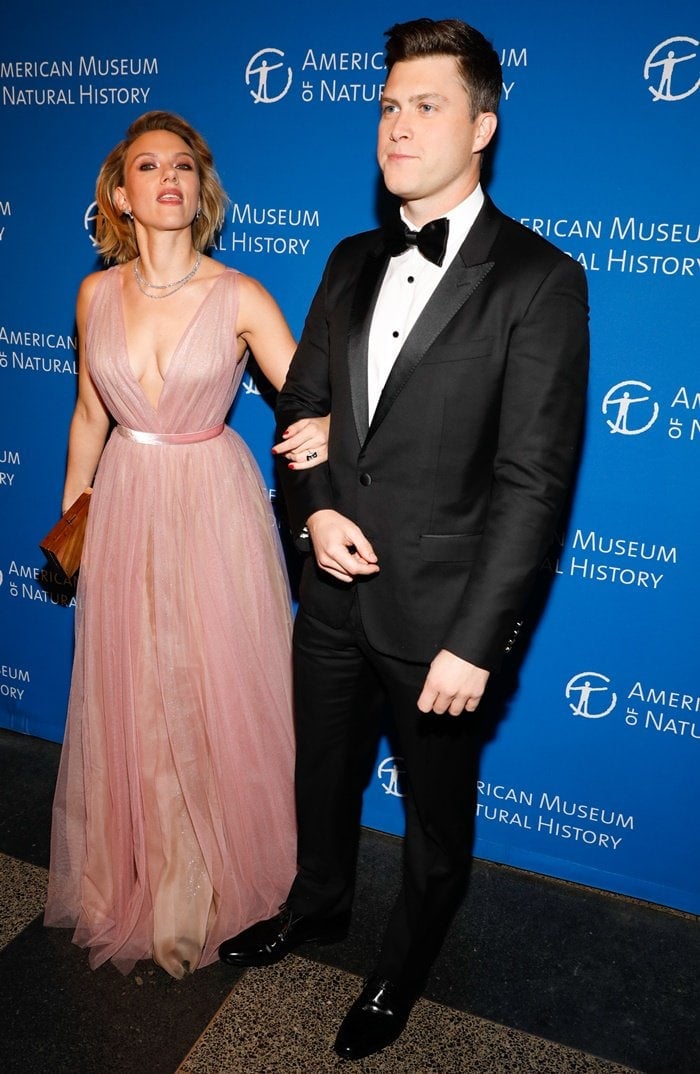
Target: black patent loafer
[(376, 1019), (269, 941)]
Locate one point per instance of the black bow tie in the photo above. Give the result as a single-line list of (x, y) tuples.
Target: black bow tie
[(431, 240)]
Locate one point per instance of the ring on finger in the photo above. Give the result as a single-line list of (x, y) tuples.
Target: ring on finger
[(311, 455)]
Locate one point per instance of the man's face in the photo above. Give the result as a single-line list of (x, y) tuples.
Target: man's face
[(428, 144)]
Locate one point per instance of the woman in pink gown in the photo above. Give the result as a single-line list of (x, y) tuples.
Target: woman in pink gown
[(173, 822)]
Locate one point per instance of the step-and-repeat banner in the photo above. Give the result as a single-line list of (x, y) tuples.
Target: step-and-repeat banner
[(590, 771)]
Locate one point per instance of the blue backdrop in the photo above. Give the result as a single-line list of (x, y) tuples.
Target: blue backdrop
[(592, 773)]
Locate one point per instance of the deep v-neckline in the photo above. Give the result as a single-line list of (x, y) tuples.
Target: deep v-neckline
[(176, 348)]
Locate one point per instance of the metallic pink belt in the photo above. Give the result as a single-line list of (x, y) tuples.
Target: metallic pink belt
[(170, 438)]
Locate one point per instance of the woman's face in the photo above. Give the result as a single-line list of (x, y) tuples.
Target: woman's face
[(161, 183)]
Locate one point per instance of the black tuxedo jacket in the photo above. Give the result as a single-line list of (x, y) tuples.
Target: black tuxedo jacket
[(460, 477)]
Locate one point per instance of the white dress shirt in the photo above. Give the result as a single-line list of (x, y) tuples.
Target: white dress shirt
[(409, 282)]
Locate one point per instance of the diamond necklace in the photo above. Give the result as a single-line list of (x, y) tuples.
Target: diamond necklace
[(171, 288)]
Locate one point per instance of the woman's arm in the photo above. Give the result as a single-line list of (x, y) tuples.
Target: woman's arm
[(263, 328), (90, 421)]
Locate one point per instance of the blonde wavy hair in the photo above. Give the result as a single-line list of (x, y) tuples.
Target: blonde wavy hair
[(114, 231)]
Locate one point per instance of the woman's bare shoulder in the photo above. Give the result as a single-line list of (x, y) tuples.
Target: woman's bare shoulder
[(86, 291), (251, 290), (90, 282)]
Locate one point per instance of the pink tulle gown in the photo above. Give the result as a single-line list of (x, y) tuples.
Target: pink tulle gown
[(173, 823)]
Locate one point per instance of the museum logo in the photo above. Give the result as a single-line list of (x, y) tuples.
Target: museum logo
[(267, 76), (672, 69), (590, 695), (629, 408), (389, 772), (671, 712)]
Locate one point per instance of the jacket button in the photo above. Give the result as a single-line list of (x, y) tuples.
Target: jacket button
[(365, 479)]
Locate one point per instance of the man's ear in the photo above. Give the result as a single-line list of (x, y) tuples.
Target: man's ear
[(486, 124)]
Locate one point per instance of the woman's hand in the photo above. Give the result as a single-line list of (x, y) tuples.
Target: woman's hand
[(305, 443)]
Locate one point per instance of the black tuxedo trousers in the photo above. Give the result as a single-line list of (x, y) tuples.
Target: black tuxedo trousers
[(343, 686)]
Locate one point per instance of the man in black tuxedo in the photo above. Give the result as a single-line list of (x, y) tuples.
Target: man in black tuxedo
[(452, 354)]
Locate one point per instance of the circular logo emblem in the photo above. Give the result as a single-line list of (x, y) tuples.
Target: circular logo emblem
[(593, 697), (267, 77), (89, 221), (634, 410), (673, 65), (390, 771)]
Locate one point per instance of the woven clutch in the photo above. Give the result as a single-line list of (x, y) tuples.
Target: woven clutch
[(63, 545)]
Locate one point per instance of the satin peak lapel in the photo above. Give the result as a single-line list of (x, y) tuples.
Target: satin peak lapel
[(366, 292), (456, 287)]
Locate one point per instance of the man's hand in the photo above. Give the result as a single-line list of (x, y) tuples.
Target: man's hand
[(452, 685), (340, 547)]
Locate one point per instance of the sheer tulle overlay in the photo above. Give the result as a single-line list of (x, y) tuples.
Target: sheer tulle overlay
[(173, 821)]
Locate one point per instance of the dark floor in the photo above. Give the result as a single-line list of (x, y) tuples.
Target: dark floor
[(537, 976)]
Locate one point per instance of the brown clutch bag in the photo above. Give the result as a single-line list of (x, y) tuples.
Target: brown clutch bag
[(63, 545)]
